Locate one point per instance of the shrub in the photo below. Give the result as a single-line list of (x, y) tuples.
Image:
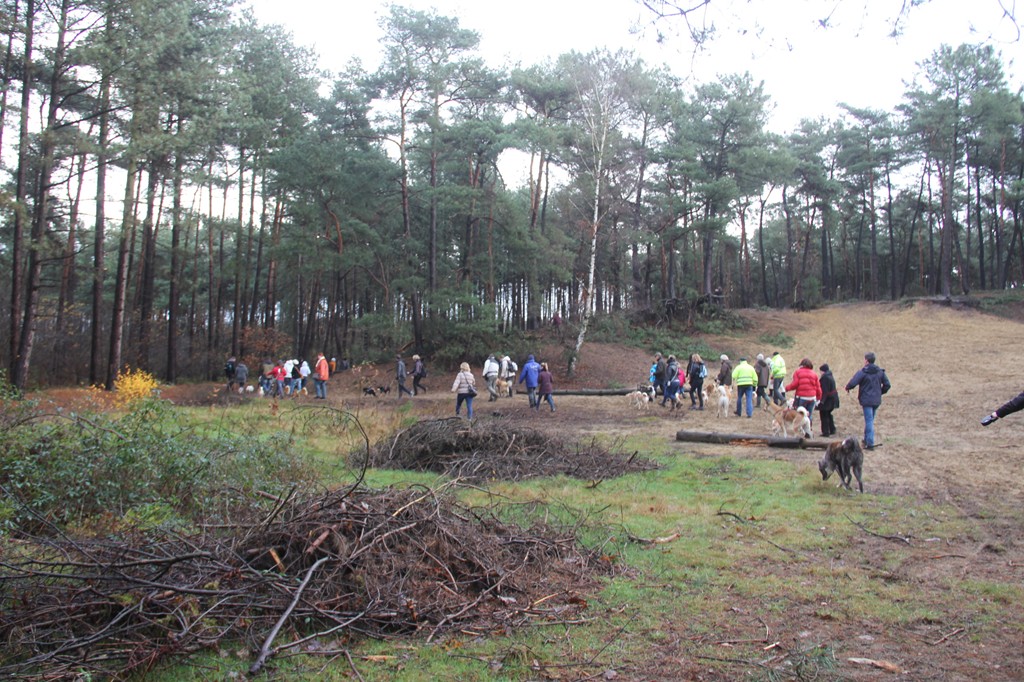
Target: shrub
[(778, 339), (133, 386), (69, 470)]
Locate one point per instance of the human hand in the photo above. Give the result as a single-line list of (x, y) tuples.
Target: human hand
[(988, 419)]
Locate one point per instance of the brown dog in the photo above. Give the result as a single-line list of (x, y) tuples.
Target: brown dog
[(847, 458), (786, 419)]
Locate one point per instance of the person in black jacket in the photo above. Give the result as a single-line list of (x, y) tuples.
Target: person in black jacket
[(1014, 405), (829, 402)]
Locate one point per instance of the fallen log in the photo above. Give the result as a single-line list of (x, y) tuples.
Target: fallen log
[(751, 439), (593, 391)]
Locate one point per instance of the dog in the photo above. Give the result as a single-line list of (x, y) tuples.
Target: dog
[(847, 458), (250, 388), (369, 390), (641, 399), (504, 387), (260, 392), (722, 404), (383, 390), (786, 419)]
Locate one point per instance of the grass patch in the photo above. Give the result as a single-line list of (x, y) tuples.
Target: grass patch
[(713, 552)]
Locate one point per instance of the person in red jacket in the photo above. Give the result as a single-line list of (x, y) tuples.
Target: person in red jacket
[(805, 386)]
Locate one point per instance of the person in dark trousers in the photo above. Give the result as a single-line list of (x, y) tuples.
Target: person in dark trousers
[(660, 365), (764, 377), (400, 375), (829, 401), (872, 384), (696, 371), (531, 370), (672, 382), (1014, 405), (545, 386), (419, 371)]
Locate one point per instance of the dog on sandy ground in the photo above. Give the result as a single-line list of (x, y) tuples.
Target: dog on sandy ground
[(847, 458), (504, 387), (786, 419), (642, 397), (722, 401)]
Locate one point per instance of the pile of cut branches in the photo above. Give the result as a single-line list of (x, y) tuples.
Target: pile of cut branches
[(498, 450), (293, 575)]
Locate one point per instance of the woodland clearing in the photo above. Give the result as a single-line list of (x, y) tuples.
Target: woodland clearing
[(949, 366)]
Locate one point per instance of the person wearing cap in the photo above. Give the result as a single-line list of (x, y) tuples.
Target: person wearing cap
[(829, 401), (725, 371), (419, 371), (400, 375), (745, 378)]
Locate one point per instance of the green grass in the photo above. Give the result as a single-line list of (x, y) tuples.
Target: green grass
[(757, 539)]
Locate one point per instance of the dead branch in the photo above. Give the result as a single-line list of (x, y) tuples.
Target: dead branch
[(265, 650), (898, 538)]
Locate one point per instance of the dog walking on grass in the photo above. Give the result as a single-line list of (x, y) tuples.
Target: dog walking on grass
[(847, 458)]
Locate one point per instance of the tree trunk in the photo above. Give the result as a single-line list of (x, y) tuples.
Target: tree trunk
[(21, 196), (173, 292), (121, 279), (99, 239)]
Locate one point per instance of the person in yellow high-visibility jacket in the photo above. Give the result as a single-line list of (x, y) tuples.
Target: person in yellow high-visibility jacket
[(744, 377), (778, 366)]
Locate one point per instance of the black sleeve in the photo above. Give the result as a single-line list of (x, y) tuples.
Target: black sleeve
[(1012, 406)]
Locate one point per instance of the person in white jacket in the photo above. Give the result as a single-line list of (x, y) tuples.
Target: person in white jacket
[(491, 370)]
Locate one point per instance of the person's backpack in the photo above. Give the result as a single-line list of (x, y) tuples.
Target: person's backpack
[(229, 369), (423, 370), (703, 370), (513, 367)]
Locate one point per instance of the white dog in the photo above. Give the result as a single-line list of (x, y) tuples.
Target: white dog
[(642, 397), (723, 401), (250, 388)]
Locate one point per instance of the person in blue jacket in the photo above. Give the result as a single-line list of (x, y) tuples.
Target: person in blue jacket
[(872, 384), (529, 374)]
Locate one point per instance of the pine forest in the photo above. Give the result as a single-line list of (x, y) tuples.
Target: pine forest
[(181, 183)]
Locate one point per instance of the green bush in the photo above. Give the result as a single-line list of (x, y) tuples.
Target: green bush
[(70, 469), (778, 339)]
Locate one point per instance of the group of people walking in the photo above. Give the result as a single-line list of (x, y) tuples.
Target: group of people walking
[(536, 376), (765, 381), (281, 378)]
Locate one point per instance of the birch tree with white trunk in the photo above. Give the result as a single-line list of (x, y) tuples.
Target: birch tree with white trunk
[(600, 83)]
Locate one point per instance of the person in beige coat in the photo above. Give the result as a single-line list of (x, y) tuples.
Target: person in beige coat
[(464, 389)]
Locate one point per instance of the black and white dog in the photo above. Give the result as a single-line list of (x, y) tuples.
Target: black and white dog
[(847, 458)]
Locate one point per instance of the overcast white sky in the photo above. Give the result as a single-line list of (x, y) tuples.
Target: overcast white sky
[(807, 69)]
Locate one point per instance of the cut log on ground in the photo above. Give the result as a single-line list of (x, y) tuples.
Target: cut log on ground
[(751, 439), (594, 391)]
